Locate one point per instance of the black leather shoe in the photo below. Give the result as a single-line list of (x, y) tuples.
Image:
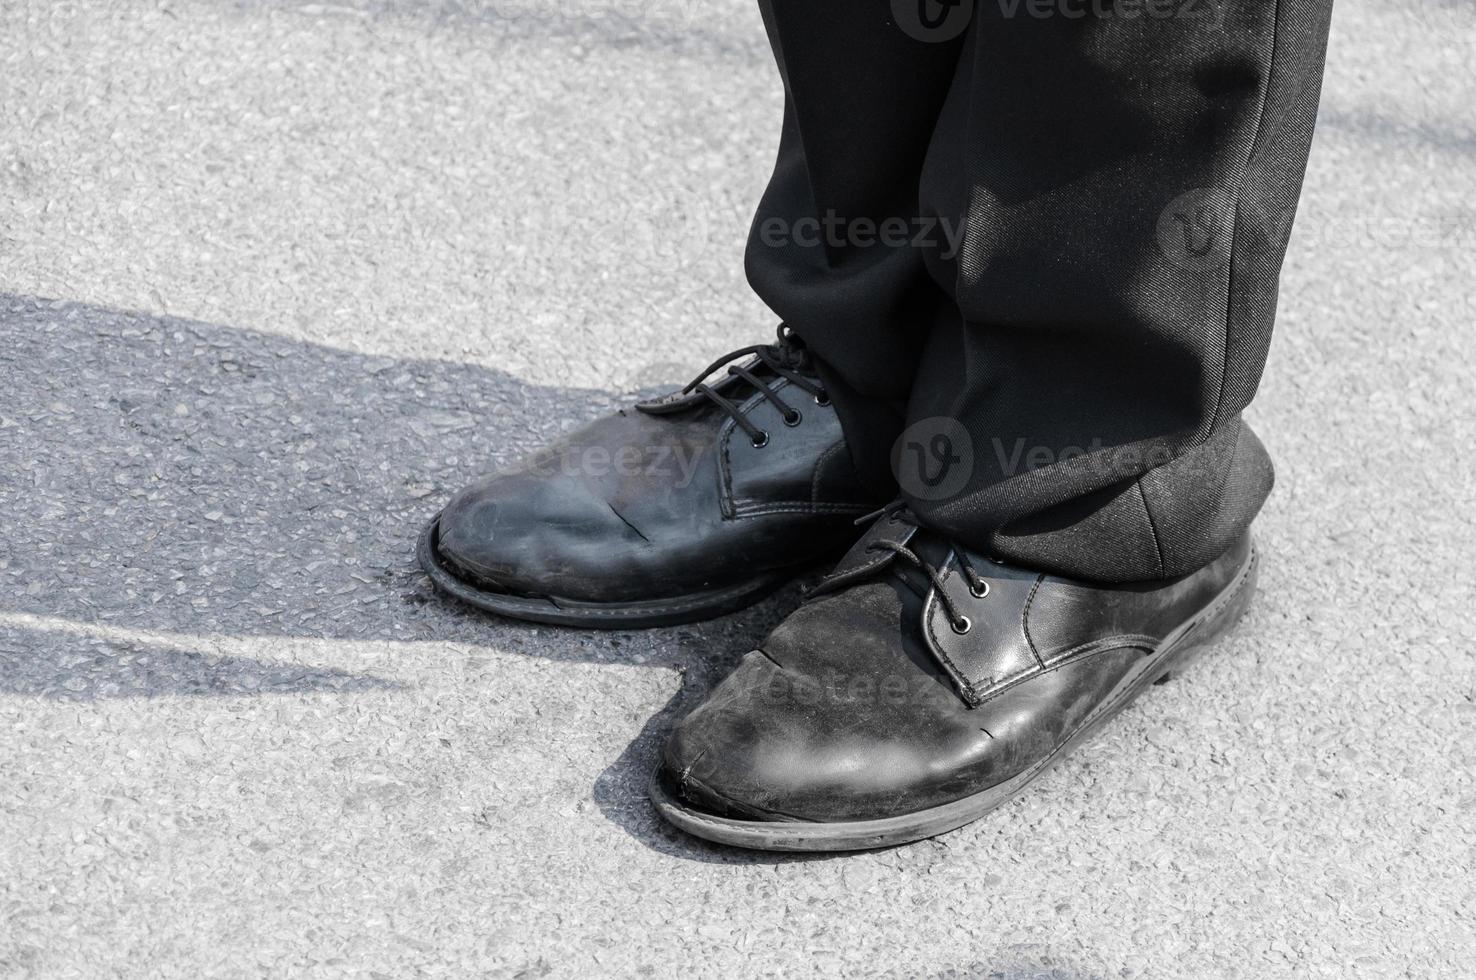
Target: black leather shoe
[(677, 510), (923, 686)]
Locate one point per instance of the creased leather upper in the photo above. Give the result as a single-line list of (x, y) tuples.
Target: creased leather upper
[(1031, 622), (848, 711), (639, 506)]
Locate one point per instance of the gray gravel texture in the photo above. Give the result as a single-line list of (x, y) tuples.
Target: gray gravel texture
[(276, 278)]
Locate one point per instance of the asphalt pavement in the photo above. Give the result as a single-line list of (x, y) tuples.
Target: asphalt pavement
[(276, 278)]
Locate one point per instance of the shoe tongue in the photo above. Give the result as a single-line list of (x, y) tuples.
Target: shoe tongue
[(877, 579)]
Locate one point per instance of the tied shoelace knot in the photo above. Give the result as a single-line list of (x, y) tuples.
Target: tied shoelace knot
[(786, 358)]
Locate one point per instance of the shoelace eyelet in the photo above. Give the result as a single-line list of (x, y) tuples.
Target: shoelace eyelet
[(823, 400), (761, 441), (962, 626), (793, 419), (979, 591)]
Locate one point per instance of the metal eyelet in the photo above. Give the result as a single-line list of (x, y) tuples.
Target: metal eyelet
[(761, 441), (962, 626), (979, 591), (793, 419), (823, 400)]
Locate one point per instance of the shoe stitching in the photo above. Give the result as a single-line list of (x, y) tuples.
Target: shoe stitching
[(733, 508), (819, 467), (725, 440), (971, 692), (1122, 641), (797, 507), (1025, 620), (1083, 650)]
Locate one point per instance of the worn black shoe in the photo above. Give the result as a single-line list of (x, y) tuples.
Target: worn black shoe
[(677, 510), (922, 686)]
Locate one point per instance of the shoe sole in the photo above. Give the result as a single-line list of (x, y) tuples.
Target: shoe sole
[(1177, 651), (673, 611)]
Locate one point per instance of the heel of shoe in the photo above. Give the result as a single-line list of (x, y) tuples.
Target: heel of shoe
[(1223, 616)]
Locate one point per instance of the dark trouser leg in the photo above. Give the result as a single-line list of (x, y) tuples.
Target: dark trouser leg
[(1128, 179), (830, 250)]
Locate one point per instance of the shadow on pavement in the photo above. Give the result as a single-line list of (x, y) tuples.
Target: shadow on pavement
[(174, 476)]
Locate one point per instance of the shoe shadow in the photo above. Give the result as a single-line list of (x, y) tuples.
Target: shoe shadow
[(197, 478), (199, 481)]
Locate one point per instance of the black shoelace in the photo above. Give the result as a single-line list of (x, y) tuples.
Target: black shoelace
[(786, 359), (898, 513)]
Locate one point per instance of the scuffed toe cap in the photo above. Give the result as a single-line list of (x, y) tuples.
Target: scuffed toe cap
[(522, 535), (773, 744), (483, 538), (720, 757), (468, 535)]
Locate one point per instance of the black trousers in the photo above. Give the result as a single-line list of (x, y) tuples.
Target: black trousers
[(1034, 246)]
